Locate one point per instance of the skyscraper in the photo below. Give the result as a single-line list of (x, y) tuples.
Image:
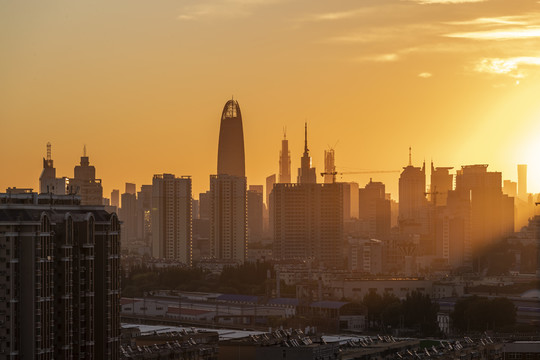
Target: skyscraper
[(128, 216), (329, 166), (171, 218), (231, 159), (306, 173), (48, 182), (522, 181), (228, 218), (441, 183), (85, 184), (374, 209), (284, 161), (228, 197), (492, 213), (308, 223), (413, 212)]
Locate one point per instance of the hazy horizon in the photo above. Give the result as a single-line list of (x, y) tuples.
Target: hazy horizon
[(144, 86)]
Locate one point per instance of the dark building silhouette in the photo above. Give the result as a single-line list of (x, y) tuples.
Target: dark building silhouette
[(255, 206), (231, 159), (128, 215), (284, 161), (306, 173), (85, 184), (522, 181), (171, 218), (144, 217), (374, 210), (48, 182), (115, 198), (228, 190), (228, 218), (441, 183), (413, 211), (308, 223), (492, 213), (60, 281), (329, 166)]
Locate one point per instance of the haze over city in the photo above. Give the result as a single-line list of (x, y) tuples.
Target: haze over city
[(143, 86)]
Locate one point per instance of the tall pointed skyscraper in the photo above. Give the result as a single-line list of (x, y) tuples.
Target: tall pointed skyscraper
[(228, 201), (285, 161), (306, 174), (231, 158)]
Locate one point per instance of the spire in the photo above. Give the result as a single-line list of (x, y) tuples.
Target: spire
[(49, 151), (84, 150), (306, 150), (284, 133), (410, 157)]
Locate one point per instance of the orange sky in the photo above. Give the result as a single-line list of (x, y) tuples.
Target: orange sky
[(143, 84)]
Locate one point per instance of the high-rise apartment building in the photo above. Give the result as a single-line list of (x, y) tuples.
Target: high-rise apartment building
[(228, 218), (441, 183), (306, 173), (492, 213), (308, 223), (374, 210), (522, 181), (144, 213), (285, 161), (128, 215), (413, 211), (171, 218), (115, 198), (255, 207), (60, 278)]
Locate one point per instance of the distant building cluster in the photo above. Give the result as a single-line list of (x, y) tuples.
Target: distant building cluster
[(332, 225)]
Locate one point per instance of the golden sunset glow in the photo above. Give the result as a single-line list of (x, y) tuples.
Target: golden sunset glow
[(143, 86)]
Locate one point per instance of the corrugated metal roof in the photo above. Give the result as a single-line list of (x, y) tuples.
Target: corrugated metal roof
[(238, 298)]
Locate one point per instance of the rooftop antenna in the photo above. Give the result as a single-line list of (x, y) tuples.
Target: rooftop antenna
[(284, 133), (305, 139), (49, 151), (84, 150), (410, 157)]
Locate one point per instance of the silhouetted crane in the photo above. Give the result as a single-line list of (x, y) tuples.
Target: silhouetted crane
[(334, 173)]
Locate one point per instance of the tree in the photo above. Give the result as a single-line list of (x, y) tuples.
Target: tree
[(419, 311), (480, 313)]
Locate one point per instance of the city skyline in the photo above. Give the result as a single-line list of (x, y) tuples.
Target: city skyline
[(456, 80)]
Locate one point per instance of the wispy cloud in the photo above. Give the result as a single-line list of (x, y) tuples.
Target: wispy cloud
[(499, 34), (378, 58), (511, 66), (503, 20), (332, 16), (446, 1), (425, 75), (221, 9)]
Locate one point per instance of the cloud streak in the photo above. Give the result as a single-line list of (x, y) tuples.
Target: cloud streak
[(427, 2), (509, 66), (499, 34)]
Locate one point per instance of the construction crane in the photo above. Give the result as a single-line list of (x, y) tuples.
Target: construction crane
[(334, 173)]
